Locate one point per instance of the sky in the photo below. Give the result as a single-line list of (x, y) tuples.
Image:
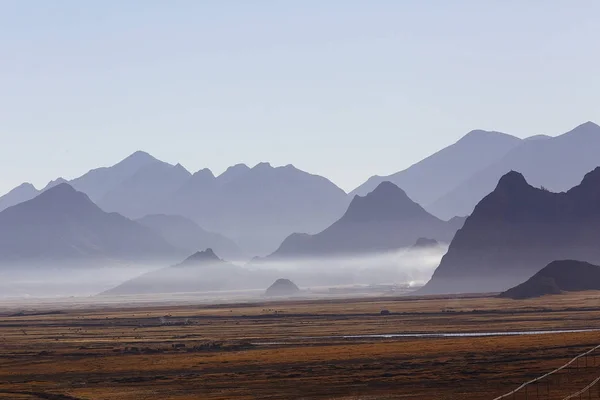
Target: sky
[(345, 89)]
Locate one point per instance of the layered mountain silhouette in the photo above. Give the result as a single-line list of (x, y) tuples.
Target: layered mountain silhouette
[(202, 271), (21, 193), (517, 230), (95, 183), (258, 207), (63, 225), (98, 182), (146, 190), (556, 277), (436, 175), (185, 234), (383, 220), (557, 163)]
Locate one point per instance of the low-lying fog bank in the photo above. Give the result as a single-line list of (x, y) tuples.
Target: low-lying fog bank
[(402, 267)]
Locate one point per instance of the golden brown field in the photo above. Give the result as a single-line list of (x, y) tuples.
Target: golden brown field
[(284, 350)]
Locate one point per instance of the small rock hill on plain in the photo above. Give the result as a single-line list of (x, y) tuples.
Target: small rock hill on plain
[(558, 276)]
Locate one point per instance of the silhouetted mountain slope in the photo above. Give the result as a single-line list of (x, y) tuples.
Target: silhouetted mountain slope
[(436, 175), (95, 183), (98, 182), (558, 276), (202, 271), (21, 193), (384, 219), (146, 190), (260, 206), (555, 163), (186, 234), (518, 229), (62, 224)]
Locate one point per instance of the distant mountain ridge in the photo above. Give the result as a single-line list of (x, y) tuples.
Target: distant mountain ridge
[(257, 207), (62, 225), (434, 176), (383, 220), (518, 229), (557, 163)]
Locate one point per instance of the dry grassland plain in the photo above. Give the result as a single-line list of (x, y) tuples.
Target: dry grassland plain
[(295, 349)]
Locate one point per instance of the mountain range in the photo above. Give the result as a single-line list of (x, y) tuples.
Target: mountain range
[(256, 207), (429, 179), (556, 163), (452, 181), (518, 229), (259, 207), (383, 220)]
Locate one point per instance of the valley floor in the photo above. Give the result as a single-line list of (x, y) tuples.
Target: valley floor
[(294, 350)]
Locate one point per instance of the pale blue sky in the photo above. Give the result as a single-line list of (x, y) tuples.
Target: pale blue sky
[(345, 89)]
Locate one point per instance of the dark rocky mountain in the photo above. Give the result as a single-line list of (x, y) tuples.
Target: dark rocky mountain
[(258, 207), (556, 277), (62, 225), (518, 229), (185, 234), (201, 272), (282, 287), (383, 220), (436, 175), (556, 163)]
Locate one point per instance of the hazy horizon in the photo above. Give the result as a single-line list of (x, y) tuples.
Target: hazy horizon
[(368, 89)]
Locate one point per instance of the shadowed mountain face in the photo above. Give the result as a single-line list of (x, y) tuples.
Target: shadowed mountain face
[(558, 276), (258, 207), (62, 225), (186, 234), (202, 271), (431, 178), (385, 219), (556, 163), (518, 229)]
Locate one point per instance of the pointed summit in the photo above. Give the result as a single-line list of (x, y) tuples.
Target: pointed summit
[(513, 180), (207, 256), (386, 202), (54, 183), (586, 129)]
